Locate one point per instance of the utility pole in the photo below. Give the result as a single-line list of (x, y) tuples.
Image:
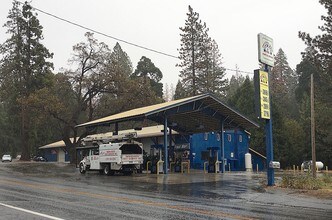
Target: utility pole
[(313, 145)]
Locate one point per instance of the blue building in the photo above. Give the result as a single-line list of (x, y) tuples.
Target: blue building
[(236, 145), (196, 148), (55, 152), (258, 160)]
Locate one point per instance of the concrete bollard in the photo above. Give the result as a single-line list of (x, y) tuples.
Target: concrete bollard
[(205, 165), (257, 168), (294, 168), (147, 166)]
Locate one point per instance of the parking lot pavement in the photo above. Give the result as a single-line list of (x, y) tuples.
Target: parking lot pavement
[(59, 190)]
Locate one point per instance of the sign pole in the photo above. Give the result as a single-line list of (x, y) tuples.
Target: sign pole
[(265, 56), (269, 141)]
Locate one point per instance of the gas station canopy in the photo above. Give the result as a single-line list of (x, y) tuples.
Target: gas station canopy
[(201, 113)]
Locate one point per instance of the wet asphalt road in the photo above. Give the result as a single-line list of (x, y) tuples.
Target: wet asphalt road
[(63, 193)]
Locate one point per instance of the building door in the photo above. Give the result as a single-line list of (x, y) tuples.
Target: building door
[(61, 156)]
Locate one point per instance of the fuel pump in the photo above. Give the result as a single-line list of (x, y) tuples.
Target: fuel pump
[(155, 156), (213, 158), (181, 154)]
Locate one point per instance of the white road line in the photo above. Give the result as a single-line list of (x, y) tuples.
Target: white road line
[(31, 212)]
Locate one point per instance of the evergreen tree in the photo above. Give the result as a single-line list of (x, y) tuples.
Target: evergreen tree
[(192, 37), (118, 67), (200, 59), (243, 99), (283, 82), (24, 68), (279, 75), (127, 90), (234, 83), (179, 91), (119, 62), (151, 74), (304, 70), (319, 56), (211, 79)]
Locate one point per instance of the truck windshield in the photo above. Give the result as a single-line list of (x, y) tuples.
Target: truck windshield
[(131, 149)]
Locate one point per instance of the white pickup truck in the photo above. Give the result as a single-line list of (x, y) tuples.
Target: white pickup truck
[(112, 154)]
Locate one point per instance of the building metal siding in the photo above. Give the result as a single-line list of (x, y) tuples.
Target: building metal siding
[(234, 148)]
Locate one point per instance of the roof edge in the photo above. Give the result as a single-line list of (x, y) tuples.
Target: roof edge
[(237, 112)]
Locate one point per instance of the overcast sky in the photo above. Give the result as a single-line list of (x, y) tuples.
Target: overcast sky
[(234, 24)]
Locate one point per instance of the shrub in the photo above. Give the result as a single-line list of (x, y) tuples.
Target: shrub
[(301, 182), (327, 179)]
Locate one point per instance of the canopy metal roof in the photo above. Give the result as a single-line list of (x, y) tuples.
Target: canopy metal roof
[(146, 132), (58, 144), (196, 114)]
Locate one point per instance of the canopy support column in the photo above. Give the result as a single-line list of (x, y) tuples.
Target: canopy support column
[(165, 147), (170, 140), (222, 138), (116, 132)]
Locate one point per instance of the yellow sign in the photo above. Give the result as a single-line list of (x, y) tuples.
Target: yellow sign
[(264, 94)]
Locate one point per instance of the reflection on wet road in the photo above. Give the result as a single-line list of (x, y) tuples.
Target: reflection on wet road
[(143, 196)]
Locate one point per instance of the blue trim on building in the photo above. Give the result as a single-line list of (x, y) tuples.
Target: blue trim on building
[(236, 146), (51, 154), (258, 160)]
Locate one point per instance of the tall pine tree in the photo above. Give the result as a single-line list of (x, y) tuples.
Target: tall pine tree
[(200, 59), (24, 67), (150, 74), (192, 38), (318, 57), (283, 83), (211, 78)]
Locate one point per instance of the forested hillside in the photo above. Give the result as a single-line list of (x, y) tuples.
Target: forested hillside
[(39, 106)]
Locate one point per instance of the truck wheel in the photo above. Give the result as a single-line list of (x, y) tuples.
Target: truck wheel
[(81, 167), (107, 169)]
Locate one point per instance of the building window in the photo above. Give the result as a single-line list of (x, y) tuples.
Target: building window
[(206, 135), (218, 137), (229, 138), (240, 138)]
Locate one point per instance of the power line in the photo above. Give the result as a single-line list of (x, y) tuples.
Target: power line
[(103, 34), (239, 71), (118, 39)]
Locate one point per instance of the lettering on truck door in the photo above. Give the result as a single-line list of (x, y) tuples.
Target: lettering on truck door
[(94, 159)]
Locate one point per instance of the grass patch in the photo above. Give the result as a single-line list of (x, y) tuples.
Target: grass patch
[(306, 181), (327, 181), (41, 168)]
